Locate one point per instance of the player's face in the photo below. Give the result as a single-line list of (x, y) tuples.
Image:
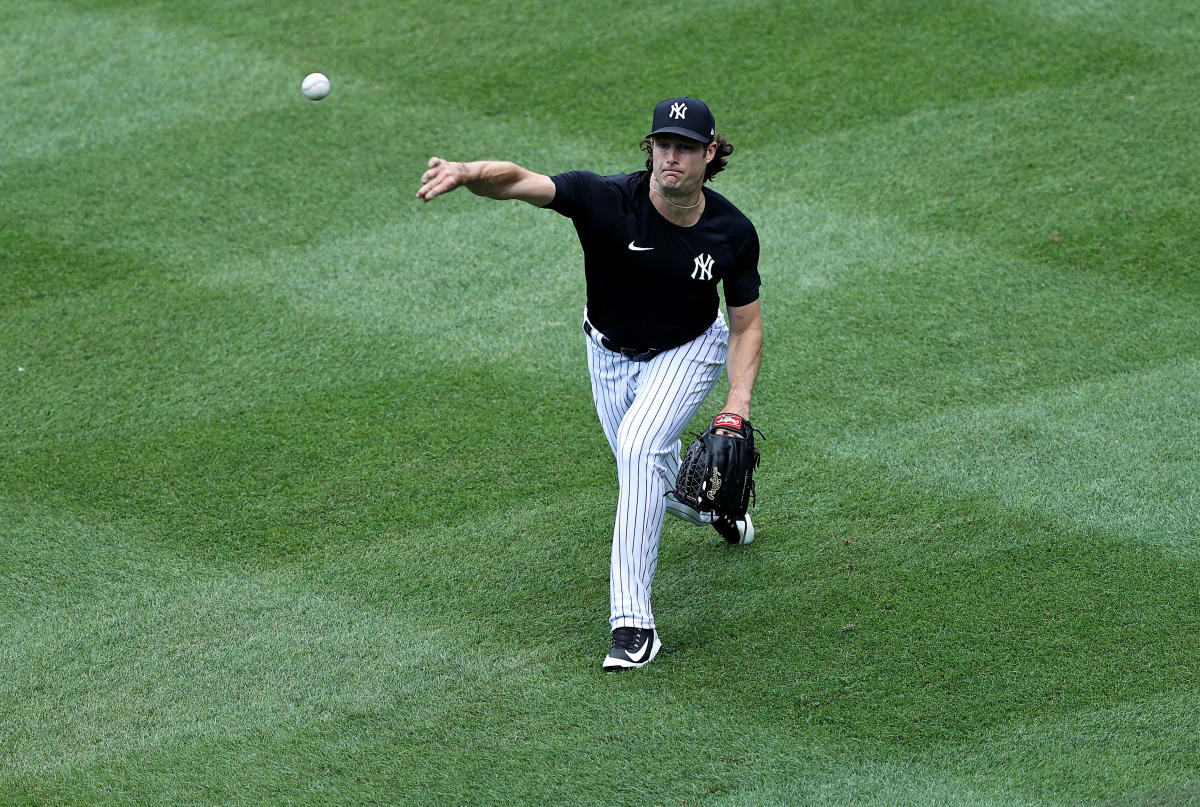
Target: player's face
[(679, 162)]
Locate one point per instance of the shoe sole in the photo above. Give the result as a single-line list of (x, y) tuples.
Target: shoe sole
[(612, 664)]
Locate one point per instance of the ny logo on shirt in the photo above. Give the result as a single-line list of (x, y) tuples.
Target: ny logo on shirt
[(703, 267)]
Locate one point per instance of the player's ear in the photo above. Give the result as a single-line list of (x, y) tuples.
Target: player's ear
[(710, 152)]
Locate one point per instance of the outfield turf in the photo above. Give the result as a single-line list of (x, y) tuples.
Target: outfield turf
[(303, 500)]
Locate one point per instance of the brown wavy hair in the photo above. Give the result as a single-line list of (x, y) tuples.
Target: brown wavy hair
[(716, 166)]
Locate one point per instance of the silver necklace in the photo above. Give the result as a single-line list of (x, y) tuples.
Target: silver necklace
[(673, 204)]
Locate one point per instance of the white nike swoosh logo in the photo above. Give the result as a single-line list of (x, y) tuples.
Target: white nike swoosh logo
[(645, 651), (635, 248)]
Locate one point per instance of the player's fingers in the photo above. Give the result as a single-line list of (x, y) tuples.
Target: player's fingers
[(433, 186), (434, 162), (430, 176), (437, 180), (437, 166)]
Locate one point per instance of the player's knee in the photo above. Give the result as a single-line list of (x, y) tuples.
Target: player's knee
[(635, 451), (631, 455)]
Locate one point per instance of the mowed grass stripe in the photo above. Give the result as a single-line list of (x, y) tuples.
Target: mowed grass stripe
[(1075, 759), (1113, 455), (890, 314), (1159, 24), (219, 662), (199, 194), (337, 466), (259, 330), (86, 78), (1102, 167), (915, 323), (432, 281), (1144, 749), (1094, 178)]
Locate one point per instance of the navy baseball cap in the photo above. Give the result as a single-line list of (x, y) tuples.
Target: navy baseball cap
[(684, 116)]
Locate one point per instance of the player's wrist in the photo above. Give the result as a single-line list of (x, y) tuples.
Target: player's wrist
[(741, 408)]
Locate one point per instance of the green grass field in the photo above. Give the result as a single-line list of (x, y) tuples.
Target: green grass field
[(303, 500)]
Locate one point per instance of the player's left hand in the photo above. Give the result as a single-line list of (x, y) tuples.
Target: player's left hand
[(716, 473)]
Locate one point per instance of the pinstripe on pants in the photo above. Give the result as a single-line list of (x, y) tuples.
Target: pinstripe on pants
[(644, 408)]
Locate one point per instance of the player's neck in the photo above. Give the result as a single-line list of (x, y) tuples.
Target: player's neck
[(683, 211)]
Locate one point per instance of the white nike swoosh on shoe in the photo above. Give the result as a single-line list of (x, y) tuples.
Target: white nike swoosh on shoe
[(645, 651), (633, 245)]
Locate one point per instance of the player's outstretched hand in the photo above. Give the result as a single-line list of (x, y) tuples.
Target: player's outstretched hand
[(442, 176)]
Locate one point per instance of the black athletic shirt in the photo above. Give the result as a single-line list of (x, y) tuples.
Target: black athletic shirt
[(651, 283)]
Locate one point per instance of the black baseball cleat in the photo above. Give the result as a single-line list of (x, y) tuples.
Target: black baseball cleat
[(735, 531), (632, 647)]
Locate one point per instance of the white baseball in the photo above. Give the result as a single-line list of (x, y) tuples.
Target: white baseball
[(315, 86)]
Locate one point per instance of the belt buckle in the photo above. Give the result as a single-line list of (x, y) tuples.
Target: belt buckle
[(632, 354), (646, 354)]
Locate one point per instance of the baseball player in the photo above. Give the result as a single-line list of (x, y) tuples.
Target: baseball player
[(656, 244)]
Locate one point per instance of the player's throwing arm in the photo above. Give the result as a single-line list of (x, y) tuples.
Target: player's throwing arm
[(490, 178)]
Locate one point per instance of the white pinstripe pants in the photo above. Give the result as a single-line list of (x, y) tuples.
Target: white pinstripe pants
[(644, 408)]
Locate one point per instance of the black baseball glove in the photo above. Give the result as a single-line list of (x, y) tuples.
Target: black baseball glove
[(717, 471)]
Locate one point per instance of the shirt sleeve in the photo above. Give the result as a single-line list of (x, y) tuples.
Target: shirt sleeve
[(583, 196), (741, 285)]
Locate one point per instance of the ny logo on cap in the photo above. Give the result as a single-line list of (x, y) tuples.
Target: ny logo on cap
[(679, 110)]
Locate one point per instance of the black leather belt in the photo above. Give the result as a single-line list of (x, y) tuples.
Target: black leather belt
[(631, 353)]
